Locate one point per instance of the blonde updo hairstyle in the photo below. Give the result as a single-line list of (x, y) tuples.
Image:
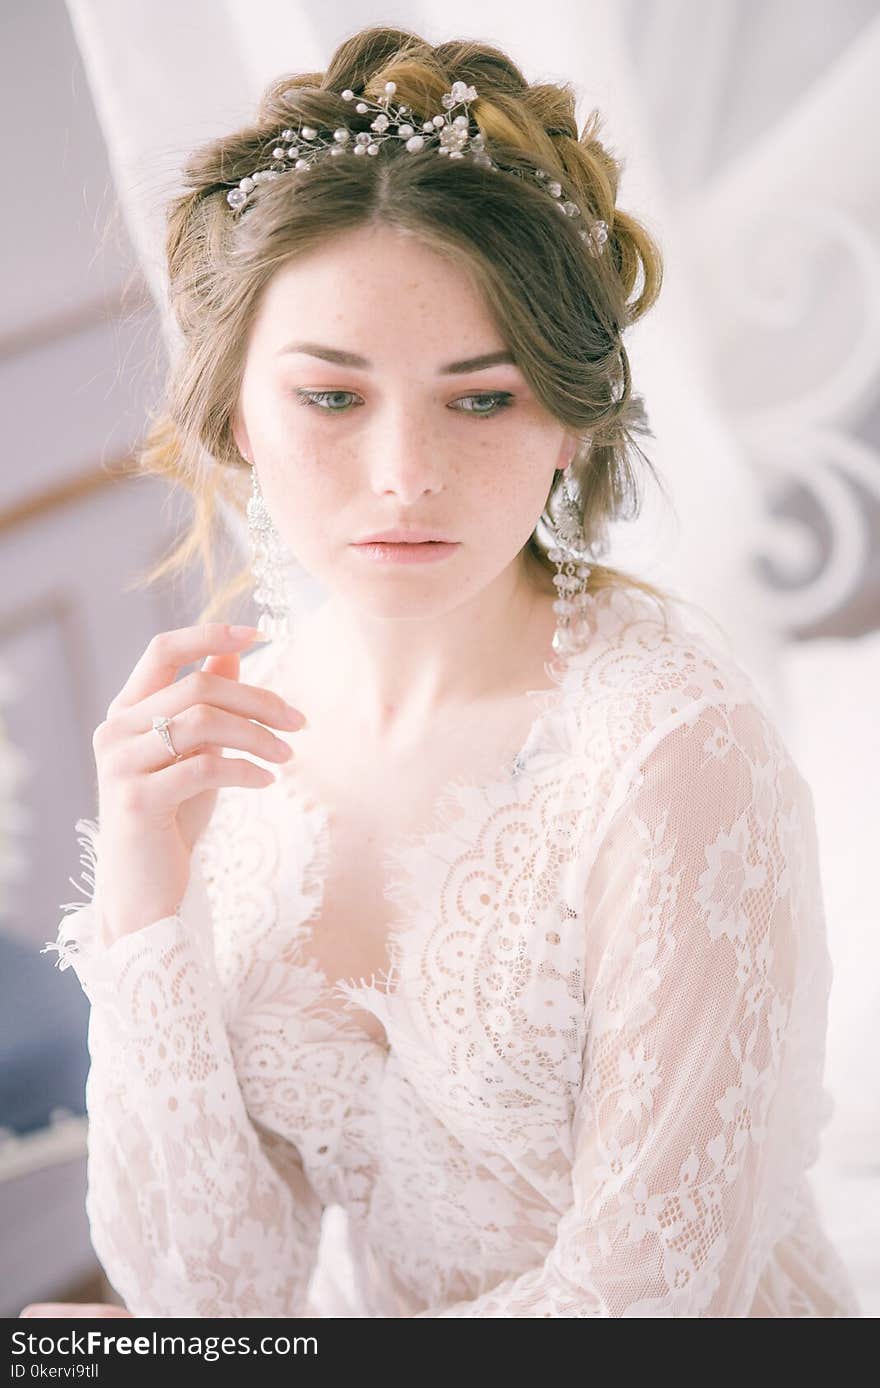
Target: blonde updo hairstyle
[(561, 310)]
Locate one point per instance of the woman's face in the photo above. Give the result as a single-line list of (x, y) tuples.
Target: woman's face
[(376, 331)]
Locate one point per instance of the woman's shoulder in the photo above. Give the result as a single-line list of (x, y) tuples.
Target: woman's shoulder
[(652, 668), (670, 655)]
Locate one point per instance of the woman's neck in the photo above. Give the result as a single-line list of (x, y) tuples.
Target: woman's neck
[(399, 677)]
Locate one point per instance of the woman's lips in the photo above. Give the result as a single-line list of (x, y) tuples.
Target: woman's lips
[(422, 553)]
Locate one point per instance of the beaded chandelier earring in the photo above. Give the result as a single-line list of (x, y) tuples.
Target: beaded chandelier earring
[(270, 557), (570, 554)]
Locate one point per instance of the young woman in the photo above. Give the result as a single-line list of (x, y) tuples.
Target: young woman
[(576, 1071)]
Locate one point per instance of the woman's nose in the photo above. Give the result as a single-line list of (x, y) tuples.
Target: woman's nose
[(406, 458)]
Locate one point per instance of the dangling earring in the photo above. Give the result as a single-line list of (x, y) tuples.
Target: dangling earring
[(270, 554), (570, 554)]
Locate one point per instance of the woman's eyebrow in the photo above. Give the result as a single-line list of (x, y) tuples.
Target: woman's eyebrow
[(335, 354)]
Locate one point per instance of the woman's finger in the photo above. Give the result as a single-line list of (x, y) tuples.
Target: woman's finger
[(169, 650)]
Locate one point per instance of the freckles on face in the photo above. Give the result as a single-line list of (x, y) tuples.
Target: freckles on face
[(329, 482), (401, 438)]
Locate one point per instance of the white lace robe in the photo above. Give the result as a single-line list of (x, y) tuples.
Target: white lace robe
[(605, 1016)]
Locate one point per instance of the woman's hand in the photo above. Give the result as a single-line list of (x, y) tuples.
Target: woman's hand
[(152, 808), (93, 1309)]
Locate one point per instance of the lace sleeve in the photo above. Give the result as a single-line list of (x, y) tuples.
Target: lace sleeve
[(706, 980), (193, 1210)]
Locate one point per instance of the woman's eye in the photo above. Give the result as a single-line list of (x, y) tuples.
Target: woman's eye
[(497, 400), (312, 397)]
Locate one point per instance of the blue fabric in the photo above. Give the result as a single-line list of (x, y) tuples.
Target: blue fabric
[(44, 1057)]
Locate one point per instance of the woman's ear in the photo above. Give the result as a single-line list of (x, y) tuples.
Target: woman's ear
[(240, 435), (567, 451)]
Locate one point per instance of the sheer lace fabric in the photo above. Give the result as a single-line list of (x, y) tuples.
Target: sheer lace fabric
[(605, 1016)]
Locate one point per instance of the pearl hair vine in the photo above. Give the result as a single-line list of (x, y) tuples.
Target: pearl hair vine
[(301, 148)]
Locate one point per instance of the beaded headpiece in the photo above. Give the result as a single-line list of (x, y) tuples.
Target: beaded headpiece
[(448, 133)]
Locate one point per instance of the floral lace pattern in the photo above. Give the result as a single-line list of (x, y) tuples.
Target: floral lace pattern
[(601, 1088)]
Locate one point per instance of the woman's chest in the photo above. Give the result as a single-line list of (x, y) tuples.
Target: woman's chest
[(418, 903), (373, 808), (348, 931)]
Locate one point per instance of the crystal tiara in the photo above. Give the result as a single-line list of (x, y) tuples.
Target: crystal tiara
[(301, 148)]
